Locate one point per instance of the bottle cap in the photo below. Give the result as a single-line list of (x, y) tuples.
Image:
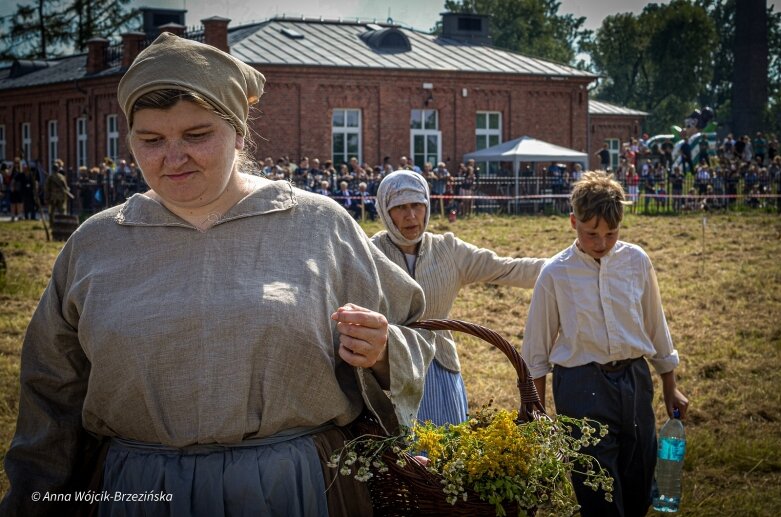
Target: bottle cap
[(676, 413)]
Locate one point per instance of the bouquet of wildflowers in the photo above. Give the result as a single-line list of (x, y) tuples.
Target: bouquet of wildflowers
[(492, 456)]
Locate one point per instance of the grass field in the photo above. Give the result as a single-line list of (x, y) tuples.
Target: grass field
[(721, 287)]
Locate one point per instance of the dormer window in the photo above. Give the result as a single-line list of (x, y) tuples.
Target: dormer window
[(388, 38)]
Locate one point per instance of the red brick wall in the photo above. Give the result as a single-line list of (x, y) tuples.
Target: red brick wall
[(293, 117), (605, 127), (295, 111)]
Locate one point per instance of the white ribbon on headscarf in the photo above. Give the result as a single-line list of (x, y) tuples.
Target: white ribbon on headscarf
[(400, 188)]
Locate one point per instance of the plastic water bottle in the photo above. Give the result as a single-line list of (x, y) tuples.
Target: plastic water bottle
[(669, 464)]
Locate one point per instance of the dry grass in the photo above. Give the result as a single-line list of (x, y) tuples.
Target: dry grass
[(722, 298)]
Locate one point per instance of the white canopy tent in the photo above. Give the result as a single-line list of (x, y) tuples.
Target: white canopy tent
[(527, 150)]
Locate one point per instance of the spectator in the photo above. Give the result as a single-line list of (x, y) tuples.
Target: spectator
[(365, 203), (676, 184), (16, 189), (29, 185), (324, 189), (702, 179), (404, 163), (686, 157), (760, 148), (5, 188), (56, 193), (467, 190), (345, 199), (667, 153), (577, 173), (632, 183)]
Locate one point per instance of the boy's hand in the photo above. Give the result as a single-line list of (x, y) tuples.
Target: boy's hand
[(673, 398)]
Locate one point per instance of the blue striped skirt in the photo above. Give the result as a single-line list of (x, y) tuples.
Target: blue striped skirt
[(444, 396)]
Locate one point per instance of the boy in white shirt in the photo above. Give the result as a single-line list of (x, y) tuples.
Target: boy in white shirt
[(595, 316)]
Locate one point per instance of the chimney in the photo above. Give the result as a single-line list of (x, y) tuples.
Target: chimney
[(96, 55), (472, 28), (131, 46), (174, 28), (215, 32)]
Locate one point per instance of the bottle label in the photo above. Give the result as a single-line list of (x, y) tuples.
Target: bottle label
[(672, 449)]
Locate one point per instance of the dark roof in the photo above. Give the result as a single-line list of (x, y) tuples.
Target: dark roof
[(596, 107), (57, 71), (332, 43), (326, 43)]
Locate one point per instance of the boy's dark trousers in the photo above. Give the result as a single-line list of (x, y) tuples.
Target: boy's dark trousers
[(620, 396)]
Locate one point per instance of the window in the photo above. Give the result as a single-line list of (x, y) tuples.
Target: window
[(112, 137), (81, 142), (2, 142), (53, 143), (346, 136), (488, 133), (27, 143), (614, 146), (425, 137)]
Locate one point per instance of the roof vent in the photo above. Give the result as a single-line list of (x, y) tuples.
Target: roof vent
[(290, 33), (389, 39), (466, 27), (21, 67), (155, 17)]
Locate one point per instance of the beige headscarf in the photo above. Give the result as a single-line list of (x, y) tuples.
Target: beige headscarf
[(399, 188), (171, 62)]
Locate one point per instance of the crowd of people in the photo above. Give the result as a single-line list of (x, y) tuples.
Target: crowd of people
[(27, 187), (740, 171), (737, 171)]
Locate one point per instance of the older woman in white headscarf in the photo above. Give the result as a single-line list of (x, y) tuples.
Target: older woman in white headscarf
[(442, 265)]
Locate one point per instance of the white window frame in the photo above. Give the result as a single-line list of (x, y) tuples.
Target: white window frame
[(112, 137), (27, 142), (488, 168), (54, 142), (614, 146), (2, 141), (425, 132), (81, 142), (346, 131)]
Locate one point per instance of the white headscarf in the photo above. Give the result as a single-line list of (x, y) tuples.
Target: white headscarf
[(400, 188)]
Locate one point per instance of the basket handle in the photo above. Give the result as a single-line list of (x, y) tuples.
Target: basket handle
[(531, 408)]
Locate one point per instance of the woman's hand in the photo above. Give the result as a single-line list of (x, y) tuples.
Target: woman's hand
[(363, 337)]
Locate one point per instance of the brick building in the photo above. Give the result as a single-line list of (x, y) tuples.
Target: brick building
[(335, 89), (612, 125)]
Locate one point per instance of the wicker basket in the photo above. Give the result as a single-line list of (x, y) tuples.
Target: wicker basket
[(413, 490)]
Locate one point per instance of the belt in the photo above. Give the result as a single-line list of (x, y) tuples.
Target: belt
[(282, 436), (616, 366)]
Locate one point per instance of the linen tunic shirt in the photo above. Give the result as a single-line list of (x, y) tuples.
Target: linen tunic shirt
[(584, 311), (152, 330), (444, 265)]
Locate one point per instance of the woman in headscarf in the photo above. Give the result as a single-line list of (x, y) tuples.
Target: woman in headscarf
[(173, 327), (442, 265)]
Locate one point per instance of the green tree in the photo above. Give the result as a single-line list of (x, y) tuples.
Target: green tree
[(619, 53), (36, 31), (658, 61), (47, 28), (532, 27)]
